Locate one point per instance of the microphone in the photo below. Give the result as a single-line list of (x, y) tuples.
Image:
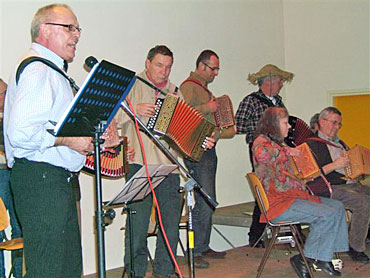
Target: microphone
[(90, 62)]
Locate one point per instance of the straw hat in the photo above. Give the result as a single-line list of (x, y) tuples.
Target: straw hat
[(270, 70)]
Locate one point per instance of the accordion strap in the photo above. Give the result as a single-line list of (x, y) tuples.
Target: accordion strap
[(318, 139), (32, 59), (196, 81)]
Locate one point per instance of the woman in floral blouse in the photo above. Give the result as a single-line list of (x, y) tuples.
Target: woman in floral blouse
[(289, 200)]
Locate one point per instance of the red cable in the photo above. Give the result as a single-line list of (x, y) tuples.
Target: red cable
[(152, 189)]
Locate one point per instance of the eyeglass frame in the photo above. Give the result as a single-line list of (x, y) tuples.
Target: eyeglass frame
[(71, 28), (211, 68), (334, 122)]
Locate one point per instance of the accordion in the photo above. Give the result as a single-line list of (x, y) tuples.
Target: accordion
[(359, 158), (304, 165), (183, 127), (113, 161), (306, 169), (224, 116), (298, 133)]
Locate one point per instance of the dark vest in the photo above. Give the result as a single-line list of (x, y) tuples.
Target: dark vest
[(322, 156)]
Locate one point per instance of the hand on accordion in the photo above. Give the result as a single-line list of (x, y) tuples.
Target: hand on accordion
[(146, 109), (342, 161), (213, 105), (209, 142), (111, 136)]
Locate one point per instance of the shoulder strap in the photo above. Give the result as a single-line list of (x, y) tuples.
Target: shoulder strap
[(31, 59), (198, 83), (321, 140)]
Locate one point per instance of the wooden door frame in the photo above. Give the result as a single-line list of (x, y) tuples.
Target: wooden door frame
[(334, 93)]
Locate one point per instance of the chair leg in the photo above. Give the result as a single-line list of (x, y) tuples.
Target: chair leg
[(296, 236), (275, 231), (18, 254), (261, 237)]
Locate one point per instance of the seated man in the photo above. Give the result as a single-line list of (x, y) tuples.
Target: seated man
[(328, 151)]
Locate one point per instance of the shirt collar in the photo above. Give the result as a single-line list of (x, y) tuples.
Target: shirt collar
[(47, 54), (323, 136)]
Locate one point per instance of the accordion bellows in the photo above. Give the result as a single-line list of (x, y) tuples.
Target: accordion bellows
[(298, 133), (183, 127), (113, 161)]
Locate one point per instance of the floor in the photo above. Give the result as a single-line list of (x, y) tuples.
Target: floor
[(242, 262)]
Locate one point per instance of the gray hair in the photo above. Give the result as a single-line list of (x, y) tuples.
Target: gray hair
[(41, 16), (314, 120), (260, 81), (329, 110)]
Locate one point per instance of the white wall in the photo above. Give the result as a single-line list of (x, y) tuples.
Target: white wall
[(327, 46), (325, 43)]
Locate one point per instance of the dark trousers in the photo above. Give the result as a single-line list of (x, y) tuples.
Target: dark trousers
[(46, 206), (355, 197), (169, 201), (256, 229), (204, 172)]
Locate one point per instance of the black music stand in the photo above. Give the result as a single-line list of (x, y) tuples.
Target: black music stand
[(137, 188), (88, 115)]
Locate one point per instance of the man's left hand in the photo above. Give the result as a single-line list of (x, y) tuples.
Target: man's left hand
[(210, 143)]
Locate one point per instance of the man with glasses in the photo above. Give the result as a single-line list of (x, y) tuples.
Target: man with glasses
[(196, 93), (43, 165), (270, 80), (328, 150)]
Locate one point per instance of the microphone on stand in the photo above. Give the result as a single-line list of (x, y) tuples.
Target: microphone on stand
[(90, 63)]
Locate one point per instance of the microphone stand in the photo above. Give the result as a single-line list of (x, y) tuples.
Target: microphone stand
[(189, 186)]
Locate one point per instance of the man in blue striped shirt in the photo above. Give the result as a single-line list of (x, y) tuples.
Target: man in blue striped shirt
[(42, 165)]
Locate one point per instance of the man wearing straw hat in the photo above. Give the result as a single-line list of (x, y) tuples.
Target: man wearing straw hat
[(270, 80)]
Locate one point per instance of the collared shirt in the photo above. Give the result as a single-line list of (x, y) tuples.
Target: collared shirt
[(42, 95), (335, 152), (250, 111)]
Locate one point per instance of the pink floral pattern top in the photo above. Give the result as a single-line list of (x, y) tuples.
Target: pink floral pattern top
[(274, 169)]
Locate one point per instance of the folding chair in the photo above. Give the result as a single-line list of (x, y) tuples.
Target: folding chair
[(262, 201), (10, 245)]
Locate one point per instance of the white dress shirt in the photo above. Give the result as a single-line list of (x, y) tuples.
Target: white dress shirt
[(41, 95)]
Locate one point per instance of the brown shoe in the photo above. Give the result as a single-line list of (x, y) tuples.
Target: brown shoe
[(213, 254), (199, 262)]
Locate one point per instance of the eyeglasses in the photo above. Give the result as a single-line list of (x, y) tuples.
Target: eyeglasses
[(334, 122), (71, 27), (211, 68)]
